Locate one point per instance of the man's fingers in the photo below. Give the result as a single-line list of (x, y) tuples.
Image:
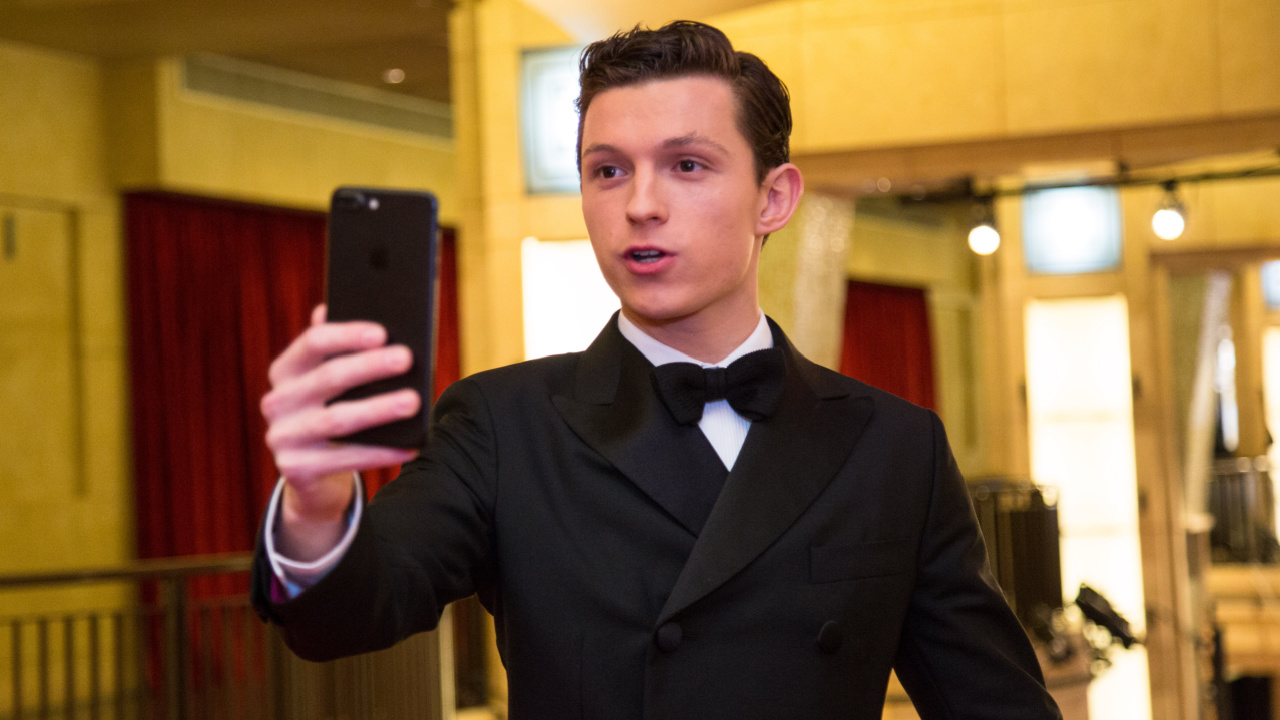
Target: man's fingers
[(319, 424), (300, 466), (319, 342), (333, 378), (322, 362)]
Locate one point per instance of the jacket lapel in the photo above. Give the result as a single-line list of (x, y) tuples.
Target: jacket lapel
[(616, 412), (786, 462)]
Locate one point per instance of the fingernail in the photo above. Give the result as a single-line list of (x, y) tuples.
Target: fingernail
[(399, 357), (408, 402)]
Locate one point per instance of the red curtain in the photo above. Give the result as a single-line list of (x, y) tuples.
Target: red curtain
[(215, 291), (886, 340)]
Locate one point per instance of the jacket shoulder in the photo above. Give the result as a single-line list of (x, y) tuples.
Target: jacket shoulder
[(545, 376), (900, 417)]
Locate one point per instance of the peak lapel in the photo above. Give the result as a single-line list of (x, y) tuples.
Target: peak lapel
[(616, 412), (786, 462)]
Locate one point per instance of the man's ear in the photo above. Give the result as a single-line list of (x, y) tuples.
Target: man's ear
[(779, 195)]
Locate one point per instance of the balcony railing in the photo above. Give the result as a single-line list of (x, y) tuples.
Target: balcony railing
[(166, 652)]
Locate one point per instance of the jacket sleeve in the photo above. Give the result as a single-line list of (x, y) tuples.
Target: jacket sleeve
[(422, 542), (962, 652)]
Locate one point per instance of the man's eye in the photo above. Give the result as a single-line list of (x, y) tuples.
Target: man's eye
[(688, 165), (608, 172)]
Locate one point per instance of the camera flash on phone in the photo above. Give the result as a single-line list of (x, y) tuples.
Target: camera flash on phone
[(373, 203)]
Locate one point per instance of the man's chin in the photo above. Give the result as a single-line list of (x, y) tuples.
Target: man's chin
[(656, 315)]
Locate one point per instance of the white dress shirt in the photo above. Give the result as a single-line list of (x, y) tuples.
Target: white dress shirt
[(724, 428)]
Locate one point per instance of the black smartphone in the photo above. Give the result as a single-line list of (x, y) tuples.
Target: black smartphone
[(382, 267)]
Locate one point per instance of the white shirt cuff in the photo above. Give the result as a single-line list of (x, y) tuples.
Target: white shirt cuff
[(298, 576)]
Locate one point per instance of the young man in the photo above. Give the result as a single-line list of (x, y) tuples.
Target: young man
[(763, 539)]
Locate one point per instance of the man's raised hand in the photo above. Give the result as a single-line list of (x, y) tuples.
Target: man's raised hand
[(324, 361)]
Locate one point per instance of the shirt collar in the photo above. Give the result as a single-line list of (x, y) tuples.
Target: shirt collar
[(660, 354)]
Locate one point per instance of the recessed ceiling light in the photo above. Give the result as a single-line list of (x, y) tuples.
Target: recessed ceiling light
[(394, 76)]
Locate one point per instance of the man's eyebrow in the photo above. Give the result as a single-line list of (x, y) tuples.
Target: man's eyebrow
[(598, 147), (694, 138)]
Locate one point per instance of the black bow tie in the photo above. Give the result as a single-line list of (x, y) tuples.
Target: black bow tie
[(752, 384)]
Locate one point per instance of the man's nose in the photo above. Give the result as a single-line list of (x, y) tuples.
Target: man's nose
[(647, 201)]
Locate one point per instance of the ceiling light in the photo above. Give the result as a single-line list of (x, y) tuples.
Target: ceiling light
[(394, 76), (1171, 217), (984, 239)]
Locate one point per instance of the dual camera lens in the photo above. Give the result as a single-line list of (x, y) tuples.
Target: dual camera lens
[(353, 201)]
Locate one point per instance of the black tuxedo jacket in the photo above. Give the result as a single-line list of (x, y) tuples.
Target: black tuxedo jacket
[(842, 544)]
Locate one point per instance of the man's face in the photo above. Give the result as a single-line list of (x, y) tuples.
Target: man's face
[(671, 202)]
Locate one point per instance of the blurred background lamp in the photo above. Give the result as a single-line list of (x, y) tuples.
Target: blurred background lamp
[(984, 239), (1170, 218)]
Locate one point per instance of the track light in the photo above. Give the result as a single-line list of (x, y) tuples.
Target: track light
[(1171, 217), (984, 239)]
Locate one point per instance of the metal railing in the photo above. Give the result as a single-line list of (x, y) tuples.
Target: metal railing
[(179, 648)]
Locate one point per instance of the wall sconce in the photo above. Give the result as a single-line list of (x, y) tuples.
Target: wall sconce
[(984, 239), (1171, 217)]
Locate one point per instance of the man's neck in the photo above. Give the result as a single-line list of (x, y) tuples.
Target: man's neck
[(705, 339)]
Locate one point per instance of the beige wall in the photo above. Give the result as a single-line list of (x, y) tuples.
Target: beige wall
[(65, 495)]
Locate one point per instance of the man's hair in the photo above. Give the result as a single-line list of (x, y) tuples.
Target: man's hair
[(685, 48)]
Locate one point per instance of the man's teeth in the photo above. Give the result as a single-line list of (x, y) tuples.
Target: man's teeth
[(647, 256)]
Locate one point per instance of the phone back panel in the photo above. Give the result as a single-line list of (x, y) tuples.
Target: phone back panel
[(382, 267)]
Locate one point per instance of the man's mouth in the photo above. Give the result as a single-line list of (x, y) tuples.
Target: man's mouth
[(647, 256)]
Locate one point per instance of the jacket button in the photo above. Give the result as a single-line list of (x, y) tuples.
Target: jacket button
[(830, 637), (669, 637)]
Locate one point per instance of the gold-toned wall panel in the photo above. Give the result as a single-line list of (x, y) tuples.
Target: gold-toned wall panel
[(915, 82), (778, 262), (897, 12), (131, 98), (553, 217), (1250, 52), (50, 122), (1088, 65), (42, 485), (65, 497), (1243, 211)]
